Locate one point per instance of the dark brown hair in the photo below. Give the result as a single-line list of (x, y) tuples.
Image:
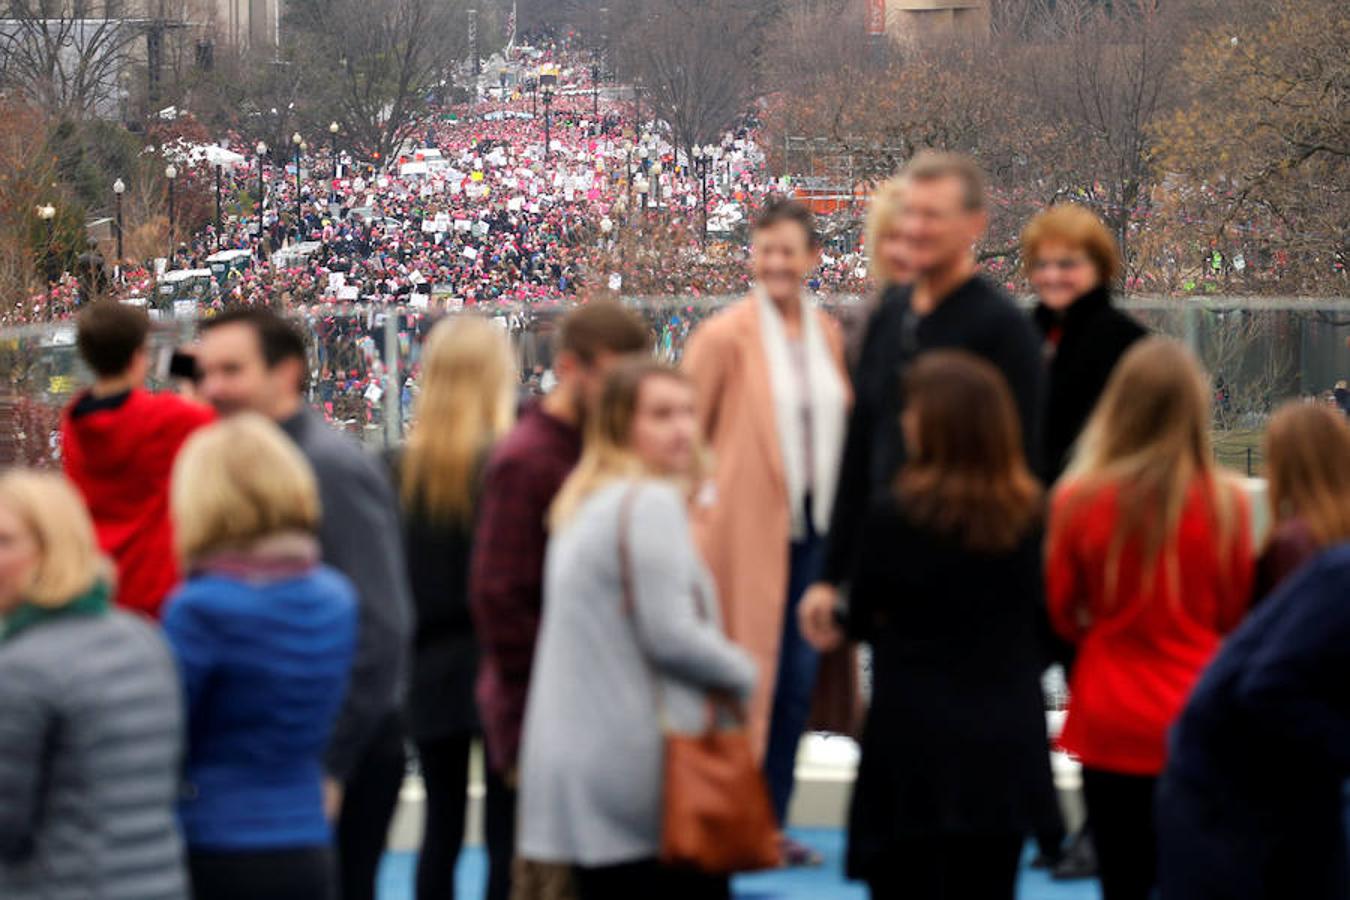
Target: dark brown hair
[(967, 477), (1308, 463), (278, 339), (603, 326), (109, 334), (778, 209), (933, 165)]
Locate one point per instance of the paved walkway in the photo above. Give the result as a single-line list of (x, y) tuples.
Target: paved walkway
[(825, 883)]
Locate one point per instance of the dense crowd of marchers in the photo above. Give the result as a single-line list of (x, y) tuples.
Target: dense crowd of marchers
[(1166, 122), (224, 625), (221, 626)]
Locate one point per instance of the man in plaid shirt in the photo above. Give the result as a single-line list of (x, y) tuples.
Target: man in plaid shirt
[(506, 579)]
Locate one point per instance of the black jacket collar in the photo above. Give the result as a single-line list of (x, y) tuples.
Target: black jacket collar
[(1081, 310)]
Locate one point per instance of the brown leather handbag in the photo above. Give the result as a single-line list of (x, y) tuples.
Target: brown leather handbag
[(716, 813)]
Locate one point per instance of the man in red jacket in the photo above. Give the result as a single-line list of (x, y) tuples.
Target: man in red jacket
[(118, 446)]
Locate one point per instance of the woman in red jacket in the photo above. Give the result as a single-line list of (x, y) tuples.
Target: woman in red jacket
[(1149, 565)]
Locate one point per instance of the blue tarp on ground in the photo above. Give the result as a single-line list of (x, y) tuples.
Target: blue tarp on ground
[(825, 883)]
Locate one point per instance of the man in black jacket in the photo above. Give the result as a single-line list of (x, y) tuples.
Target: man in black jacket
[(949, 306), (251, 359)]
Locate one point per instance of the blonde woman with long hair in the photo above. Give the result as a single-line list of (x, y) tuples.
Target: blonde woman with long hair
[(887, 253), (1149, 566), (591, 758), (1308, 469), (464, 407)]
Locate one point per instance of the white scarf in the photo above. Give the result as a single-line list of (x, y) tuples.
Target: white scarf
[(828, 414)]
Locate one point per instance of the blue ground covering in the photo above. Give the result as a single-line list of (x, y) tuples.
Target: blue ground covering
[(826, 883)]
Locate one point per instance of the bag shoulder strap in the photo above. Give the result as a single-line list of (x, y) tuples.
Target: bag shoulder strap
[(626, 559), (625, 551), (629, 597), (629, 601)]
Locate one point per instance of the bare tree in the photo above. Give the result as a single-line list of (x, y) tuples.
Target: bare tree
[(696, 60), (812, 41), (64, 57), (1263, 138), (1103, 76), (373, 64)]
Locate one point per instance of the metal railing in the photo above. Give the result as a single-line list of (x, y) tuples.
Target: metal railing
[(1261, 352)]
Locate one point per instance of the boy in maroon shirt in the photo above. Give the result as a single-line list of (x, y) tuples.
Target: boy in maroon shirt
[(507, 571)]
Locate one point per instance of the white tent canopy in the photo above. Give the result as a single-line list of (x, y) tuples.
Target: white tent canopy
[(212, 155)]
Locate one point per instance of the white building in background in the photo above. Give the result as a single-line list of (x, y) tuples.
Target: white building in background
[(920, 20), (83, 55), (243, 24)]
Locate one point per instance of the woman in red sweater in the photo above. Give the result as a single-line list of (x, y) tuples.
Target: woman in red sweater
[(1149, 565)]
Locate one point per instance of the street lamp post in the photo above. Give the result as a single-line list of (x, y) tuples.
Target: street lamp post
[(548, 121), (119, 188), (642, 186), (595, 94), (703, 159), (628, 160), (261, 148), (333, 129), (171, 174), (657, 168), (299, 143), (220, 237), (47, 213)]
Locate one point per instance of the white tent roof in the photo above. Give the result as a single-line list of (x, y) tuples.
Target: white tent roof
[(210, 154)]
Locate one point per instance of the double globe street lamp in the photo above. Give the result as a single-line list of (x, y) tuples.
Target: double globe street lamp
[(703, 164), (547, 91)]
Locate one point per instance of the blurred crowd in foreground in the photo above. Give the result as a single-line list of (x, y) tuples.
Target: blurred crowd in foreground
[(226, 622)]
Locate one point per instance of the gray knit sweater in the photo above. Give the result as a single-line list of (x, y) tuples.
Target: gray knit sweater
[(591, 764)]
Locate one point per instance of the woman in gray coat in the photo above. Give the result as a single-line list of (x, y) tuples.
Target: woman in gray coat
[(606, 682), (91, 716)]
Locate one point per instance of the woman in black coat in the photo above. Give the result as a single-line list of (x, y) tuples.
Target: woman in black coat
[(1071, 260), (464, 406), (955, 761)]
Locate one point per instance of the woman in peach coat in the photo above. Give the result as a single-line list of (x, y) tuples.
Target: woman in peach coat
[(773, 401)]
